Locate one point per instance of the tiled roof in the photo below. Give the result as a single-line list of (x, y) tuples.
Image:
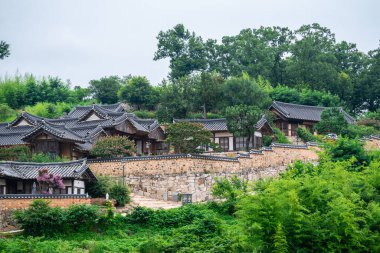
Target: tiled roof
[(60, 132), (215, 125), (11, 139), (304, 112), (209, 124), (23, 170), (72, 127), (79, 111)]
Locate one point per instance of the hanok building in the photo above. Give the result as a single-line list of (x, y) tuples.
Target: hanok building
[(20, 178), (226, 140), (74, 135), (288, 117)]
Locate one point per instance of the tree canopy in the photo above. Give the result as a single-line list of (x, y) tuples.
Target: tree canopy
[(187, 137)]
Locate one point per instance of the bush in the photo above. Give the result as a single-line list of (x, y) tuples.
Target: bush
[(280, 136), (40, 219), (99, 188), (141, 215), (120, 193), (345, 149), (145, 114), (45, 158), (82, 217), (18, 153), (113, 146), (267, 140), (305, 135), (229, 190)]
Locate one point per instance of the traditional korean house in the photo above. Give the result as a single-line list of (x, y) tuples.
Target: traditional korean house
[(288, 117), (226, 140), (74, 135), (21, 178)]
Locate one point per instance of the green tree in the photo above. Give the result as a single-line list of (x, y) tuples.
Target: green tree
[(105, 90), (4, 50), (208, 91), (332, 121), (185, 50), (279, 240), (113, 146), (7, 113), (186, 137), (244, 91), (242, 120), (139, 92)]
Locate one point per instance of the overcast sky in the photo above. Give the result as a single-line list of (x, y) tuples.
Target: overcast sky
[(83, 40)]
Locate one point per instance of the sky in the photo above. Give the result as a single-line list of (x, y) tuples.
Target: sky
[(82, 40)]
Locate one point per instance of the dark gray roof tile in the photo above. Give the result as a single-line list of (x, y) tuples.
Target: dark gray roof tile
[(304, 112)]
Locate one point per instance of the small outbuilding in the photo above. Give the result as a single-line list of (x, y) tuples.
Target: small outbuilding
[(21, 177)]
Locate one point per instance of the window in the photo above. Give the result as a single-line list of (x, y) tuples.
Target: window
[(240, 143), (223, 143)]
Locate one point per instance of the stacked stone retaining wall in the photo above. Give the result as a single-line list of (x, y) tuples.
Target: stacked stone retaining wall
[(160, 177)]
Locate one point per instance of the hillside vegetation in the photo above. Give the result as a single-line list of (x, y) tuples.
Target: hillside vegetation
[(329, 207)]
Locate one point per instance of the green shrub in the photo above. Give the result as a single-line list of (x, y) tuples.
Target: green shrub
[(145, 114), (229, 189), (15, 153), (280, 136), (113, 146), (120, 193), (82, 217), (141, 215), (100, 187), (41, 219), (344, 149), (267, 140), (45, 158), (305, 135)]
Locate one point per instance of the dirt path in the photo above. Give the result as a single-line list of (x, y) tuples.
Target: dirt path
[(153, 203)]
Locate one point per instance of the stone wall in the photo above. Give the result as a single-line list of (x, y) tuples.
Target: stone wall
[(161, 176), (15, 203), (372, 143)]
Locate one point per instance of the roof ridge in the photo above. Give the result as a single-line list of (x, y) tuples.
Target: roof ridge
[(315, 106), (34, 163)]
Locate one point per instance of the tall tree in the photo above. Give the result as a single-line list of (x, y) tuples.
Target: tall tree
[(4, 50), (242, 120), (312, 61), (138, 92), (332, 121), (106, 89), (208, 91), (244, 90), (185, 50)]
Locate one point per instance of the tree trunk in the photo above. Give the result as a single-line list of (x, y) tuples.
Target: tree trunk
[(248, 140), (204, 111)]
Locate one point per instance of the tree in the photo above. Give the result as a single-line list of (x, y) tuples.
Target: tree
[(332, 121), (120, 193), (208, 91), (7, 113), (185, 50), (105, 90), (187, 137), (139, 92), (113, 146), (304, 96), (242, 120), (47, 181), (4, 50), (244, 91)]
